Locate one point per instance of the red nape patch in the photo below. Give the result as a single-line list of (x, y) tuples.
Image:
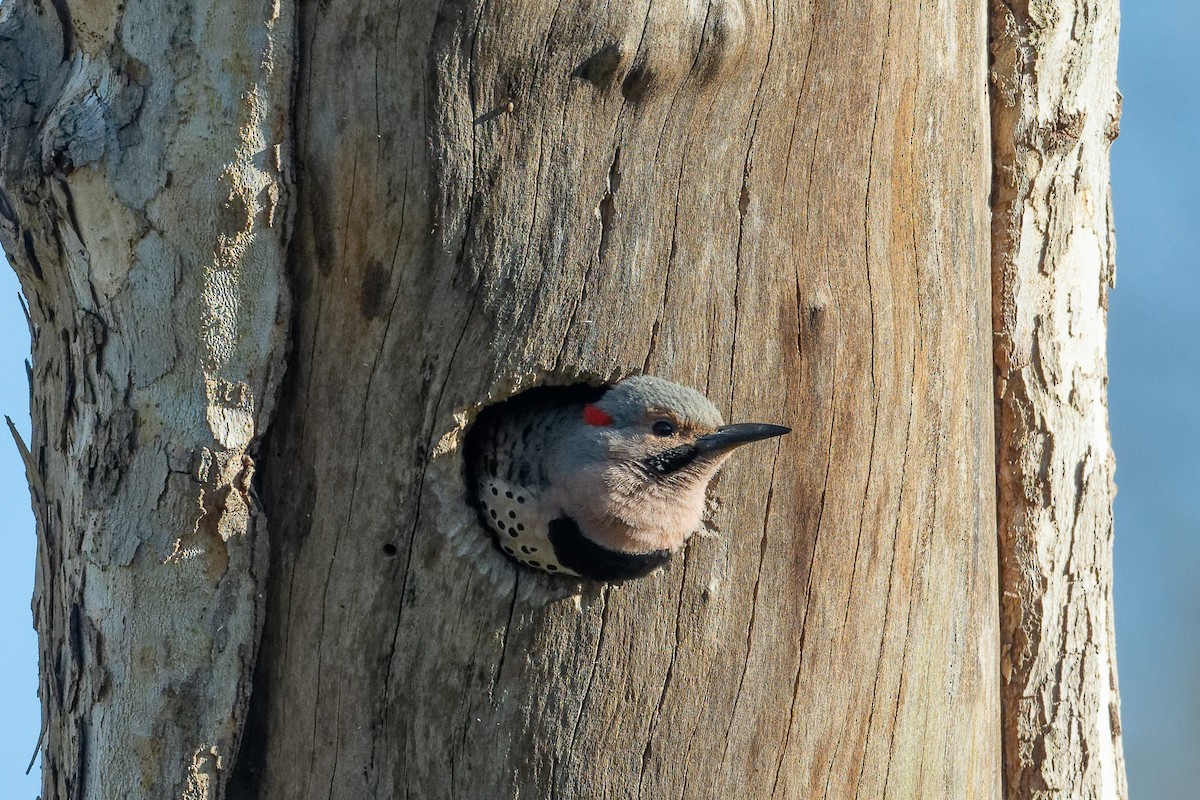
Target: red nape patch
[(594, 416)]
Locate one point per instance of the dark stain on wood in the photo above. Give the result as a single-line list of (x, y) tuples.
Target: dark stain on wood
[(373, 295)]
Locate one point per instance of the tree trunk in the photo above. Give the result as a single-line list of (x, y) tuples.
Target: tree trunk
[(785, 206), (1055, 111), (143, 208)]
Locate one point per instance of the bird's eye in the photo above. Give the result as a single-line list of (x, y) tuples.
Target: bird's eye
[(663, 428)]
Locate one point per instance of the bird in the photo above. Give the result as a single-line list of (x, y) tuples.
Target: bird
[(602, 483)]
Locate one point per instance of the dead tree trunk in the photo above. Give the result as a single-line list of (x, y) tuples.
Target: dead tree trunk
[(785, 205)]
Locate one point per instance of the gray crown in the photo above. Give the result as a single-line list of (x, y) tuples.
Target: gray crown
[(629, 399)]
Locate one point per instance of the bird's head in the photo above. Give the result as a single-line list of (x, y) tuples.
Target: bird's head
[(639, 463)]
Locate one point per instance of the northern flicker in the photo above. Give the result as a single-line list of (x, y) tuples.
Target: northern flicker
[(599, 483)]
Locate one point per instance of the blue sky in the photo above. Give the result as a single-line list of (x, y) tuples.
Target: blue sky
[(1154, 396), (18, 658), (1154, 365)]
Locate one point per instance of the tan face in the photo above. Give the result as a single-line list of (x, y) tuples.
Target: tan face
[(634, 474), (648, 492)]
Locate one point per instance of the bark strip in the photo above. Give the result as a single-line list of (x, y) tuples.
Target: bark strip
[(1055, 112)]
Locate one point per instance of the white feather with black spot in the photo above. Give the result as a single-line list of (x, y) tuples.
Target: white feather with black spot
[(519, 524)]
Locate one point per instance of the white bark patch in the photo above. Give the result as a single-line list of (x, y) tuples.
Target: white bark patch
[(230, 411)]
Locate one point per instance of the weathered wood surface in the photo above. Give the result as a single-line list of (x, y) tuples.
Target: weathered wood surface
[(1055, 112), (144, 209), (784, 205)]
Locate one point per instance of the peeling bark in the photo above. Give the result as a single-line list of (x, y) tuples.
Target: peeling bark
[(1055, 112), (144, 207)]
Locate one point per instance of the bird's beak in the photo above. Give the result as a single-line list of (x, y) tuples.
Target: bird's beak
[(728, 437)]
